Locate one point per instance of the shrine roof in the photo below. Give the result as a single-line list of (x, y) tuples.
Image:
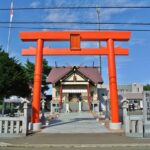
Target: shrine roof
[(57, 73)]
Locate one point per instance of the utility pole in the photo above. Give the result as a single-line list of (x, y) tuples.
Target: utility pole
[(9, 30), (99, 60), (99, 43)]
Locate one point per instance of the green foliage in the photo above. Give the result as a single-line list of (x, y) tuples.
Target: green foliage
[(29, 70), (46, 70), (147, 87), (13, 80)]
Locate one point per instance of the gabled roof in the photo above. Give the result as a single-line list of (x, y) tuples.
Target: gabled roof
[(92, 73), (57, 73)]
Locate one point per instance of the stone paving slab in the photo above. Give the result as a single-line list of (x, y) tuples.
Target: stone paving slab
[(88, 138), (83, 122), (82, 148)]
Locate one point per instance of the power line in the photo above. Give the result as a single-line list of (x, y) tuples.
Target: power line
[(92, 29), (77, 22), (78, 7)]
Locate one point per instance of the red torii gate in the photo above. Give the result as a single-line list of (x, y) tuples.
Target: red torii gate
[(75, 37)]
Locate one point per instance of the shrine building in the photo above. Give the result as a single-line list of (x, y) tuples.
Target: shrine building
[(74, 88)]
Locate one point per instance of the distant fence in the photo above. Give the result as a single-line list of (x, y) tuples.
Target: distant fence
[(14, 126), (74, 106)]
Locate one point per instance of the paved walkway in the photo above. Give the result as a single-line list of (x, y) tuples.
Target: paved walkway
[(97, 141), (78, 123), (75, 123)]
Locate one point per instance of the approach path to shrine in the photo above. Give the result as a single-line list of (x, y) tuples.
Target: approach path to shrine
[(83, 122)]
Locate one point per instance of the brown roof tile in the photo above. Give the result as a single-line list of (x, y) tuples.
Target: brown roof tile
[(57, 73), (91, 73)]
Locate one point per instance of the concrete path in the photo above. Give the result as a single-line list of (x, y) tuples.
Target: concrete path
[(75, 123), (76, 148), (96, 141)]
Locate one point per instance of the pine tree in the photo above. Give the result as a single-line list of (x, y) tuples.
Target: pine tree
[(13, 80)]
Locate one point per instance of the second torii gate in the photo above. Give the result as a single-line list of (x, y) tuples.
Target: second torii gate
[(75, 38)]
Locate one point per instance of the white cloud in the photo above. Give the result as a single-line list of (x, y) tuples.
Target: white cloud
[(106, 14), (35, 4), (84, 15), (59, 15)]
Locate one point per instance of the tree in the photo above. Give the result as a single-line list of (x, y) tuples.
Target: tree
[(29, 70), (147, 87), (13, 80), (46, 70)]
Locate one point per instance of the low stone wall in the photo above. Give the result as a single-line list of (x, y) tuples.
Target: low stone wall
[(15, 126)]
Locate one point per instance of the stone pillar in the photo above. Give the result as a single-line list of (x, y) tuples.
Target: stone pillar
[(126, 121), (25, 123), (67, 108), (80, 106)]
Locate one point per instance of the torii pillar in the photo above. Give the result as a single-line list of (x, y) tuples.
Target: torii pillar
[(37, 86), (115, 124), (75, 37)]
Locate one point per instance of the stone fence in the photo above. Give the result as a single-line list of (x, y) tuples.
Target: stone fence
[(14, 126), (137, 122), (133, 123)]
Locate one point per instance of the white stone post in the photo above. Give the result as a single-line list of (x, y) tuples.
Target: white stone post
[(67, 107), (25, 122), (80, 106), (126, 121)]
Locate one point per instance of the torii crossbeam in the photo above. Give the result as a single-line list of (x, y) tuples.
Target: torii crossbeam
[(75, 38)]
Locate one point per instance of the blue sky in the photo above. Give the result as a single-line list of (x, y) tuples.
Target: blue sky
[(132, 68)]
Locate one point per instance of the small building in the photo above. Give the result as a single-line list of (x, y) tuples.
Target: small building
[(74, 86), (135, 100), (131, 88), (133, 93)]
